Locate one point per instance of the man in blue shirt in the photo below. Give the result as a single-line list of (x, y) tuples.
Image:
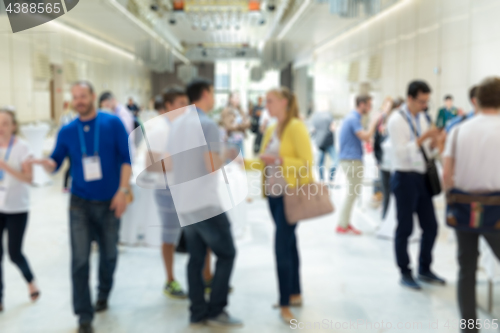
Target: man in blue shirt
[(97, 144), (352, 135)]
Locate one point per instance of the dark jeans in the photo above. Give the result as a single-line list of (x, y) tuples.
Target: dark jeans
[(213, 233), (287, 255), (87, 217), (333, 162), (468, 243), (412, 196), (15, 224), (385, 177)]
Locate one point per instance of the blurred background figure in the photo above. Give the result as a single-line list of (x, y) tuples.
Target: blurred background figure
[(324, 137), (16, 173), (108, 103), (446, 113), (352, 134), (235, 121), (255, 124), (381, 134)]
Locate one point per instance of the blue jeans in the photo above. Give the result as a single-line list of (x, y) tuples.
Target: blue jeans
[(333, 162), (15, 225), (413, 196), (87, 218), (213, 233), (287, 255)]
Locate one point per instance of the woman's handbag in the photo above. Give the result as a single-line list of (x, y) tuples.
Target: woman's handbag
[(432, 179), (306, 202)]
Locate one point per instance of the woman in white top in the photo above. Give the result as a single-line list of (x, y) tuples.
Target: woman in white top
[(471, 161), (15, 175)]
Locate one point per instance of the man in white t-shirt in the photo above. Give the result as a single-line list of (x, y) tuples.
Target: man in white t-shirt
[(471, 163)]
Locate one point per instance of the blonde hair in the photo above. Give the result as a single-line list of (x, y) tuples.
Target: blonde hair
[(11, 112), (292, 110)]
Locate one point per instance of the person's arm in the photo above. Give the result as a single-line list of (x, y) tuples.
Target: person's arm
[(367, 135), (448, 173), (302, 145), (449, 160), (119, 201), (51, 164), (24, 175)]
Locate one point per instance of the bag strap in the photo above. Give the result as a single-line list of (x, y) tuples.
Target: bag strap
[(416, 134)]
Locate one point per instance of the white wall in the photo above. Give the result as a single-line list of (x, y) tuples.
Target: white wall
[(460, 37), (104, 67)]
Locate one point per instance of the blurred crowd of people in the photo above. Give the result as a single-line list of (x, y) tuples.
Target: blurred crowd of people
[(407, 144)]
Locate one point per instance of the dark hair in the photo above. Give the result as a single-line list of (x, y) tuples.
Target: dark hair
[(159, 105), (362, 99), (473, 92), (416, 87), (170, 94), (84, 83), (105, 96), (447, 97), (488, 93), (195, 89)]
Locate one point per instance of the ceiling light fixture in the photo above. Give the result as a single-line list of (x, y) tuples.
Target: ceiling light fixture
[(147, 29)]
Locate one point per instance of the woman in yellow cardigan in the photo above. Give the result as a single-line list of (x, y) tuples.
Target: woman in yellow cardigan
[(285, 161)]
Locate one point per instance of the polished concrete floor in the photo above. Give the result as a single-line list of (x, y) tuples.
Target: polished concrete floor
[(346, 280)]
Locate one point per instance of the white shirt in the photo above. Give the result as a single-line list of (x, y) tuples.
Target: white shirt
[(17, 198), (477, 157), (406, 154)]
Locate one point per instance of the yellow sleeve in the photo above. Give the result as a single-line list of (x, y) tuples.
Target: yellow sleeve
[(302, 146)]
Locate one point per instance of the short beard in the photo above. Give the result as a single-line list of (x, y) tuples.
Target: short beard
[(87, 111)]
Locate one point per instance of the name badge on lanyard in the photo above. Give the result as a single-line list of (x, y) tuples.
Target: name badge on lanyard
[(91, 164), (3, 184)]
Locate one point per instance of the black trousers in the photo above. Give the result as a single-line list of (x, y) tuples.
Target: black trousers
[(412, 196), (386, 190), (468, 252), (15, 225)]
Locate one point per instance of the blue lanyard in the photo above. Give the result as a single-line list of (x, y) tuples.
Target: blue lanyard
[(417, 122), (7, 154), (96, 139)]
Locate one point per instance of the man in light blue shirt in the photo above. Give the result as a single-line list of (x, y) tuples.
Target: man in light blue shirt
[(352, 136)]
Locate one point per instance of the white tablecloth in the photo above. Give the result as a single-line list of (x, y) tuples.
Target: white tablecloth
[(35, 136)]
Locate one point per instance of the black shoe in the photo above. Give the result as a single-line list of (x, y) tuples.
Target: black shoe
[(85, 328), (101, 305), (408, 281), (430, 277), (1, 307)]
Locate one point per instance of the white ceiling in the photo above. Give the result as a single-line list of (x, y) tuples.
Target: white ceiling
[(313, 27)]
